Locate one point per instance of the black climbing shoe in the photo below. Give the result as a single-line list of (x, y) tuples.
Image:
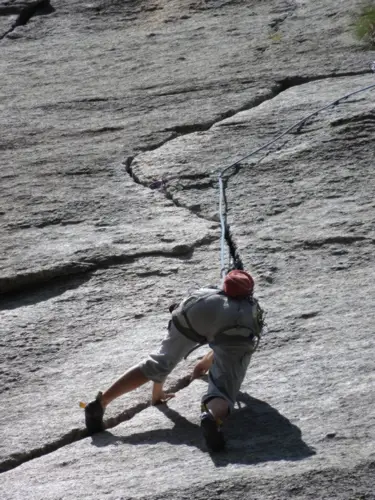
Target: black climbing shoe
[(94, 412), (212, 432)]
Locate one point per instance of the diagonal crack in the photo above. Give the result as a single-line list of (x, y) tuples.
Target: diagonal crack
[(25, 12), (86, 265), (205, 181), (280, 85), (33, 280), (277, 88), (75, 435), (185, 129)]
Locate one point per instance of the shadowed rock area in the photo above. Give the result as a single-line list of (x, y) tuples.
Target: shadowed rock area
[(116, 118)]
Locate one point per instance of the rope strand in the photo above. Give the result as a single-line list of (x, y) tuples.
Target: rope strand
[(234, 259)]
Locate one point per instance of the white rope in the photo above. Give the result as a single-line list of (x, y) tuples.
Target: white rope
[(223, 222), (222, 202)]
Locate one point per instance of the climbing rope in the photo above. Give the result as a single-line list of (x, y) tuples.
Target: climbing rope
[(234, 259)]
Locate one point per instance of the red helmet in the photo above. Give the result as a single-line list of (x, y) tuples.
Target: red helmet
[(238, 284)]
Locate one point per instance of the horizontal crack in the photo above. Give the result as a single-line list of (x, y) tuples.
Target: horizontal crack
[(87, 264), (331, 240), (45, 222), (75, 435), (363, 117), (190, 128), (279, 87), (295, 81)]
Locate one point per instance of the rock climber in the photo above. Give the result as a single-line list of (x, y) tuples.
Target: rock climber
[(229, 320)]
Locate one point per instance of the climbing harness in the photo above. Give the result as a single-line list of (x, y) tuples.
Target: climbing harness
[(182, 323), (226, 238), (235, 262), (234, 259)]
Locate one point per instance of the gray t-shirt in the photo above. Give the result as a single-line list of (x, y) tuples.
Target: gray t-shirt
[(210, 313)]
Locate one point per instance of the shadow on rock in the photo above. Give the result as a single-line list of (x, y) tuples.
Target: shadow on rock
[(256, 432), (183, 432), (34, 293)]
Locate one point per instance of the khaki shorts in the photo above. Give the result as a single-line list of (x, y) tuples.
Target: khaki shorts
[(225, 376), (227, 372)]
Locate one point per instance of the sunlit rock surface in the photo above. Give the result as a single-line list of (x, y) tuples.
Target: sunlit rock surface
[(116, 118)]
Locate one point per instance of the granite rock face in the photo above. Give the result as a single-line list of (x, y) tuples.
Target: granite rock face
[(116, 119)]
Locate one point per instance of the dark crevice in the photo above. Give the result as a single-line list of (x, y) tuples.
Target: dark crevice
[(101, 130), (25, 13), (363, 117), (198, 186), (194, 176), (204, 126), (35, 293), (186, 90), (336, 240), (190, 128), (17, 459), (13, 287), (184, 129), (294, 81), (34, 280), (309, 315), (279, 87), (161, 185), (158, 144), (75, 435), (276, 23), (57, 221)]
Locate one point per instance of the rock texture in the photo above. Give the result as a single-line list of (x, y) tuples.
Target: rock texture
[(116, 118)]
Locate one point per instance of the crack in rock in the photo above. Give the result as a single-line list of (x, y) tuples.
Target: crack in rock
[(25, 12), (332, 240), (45, 222), (90, 263), (185, 129), (159, 144), (281, 86), (162, 186), (363, 118), (75, 435), (296, 80)]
